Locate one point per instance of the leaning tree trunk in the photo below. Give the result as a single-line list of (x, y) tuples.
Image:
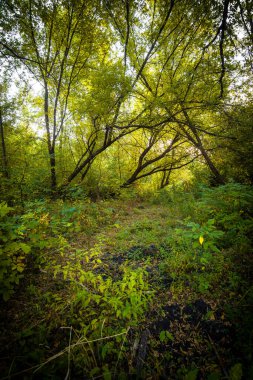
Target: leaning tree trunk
[(218, 178), (197, 142)]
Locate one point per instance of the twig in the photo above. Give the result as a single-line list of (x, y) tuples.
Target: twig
[(80, 342), (218, 356), (70, 336), (114, 375), (244, 295), (102, 328), (9, 373)]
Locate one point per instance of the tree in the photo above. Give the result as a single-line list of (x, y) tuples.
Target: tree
[(237, 147), (54, 40), (109, 70), (150, 157)]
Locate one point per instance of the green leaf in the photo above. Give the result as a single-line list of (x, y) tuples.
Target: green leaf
[(94, 371), (235, 372), (25, 247), (20, 268), (162, 336), (192, 375), (165, 336), (169, 336), (4, 209), (107, 375)]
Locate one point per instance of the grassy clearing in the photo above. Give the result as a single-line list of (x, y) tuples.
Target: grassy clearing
[(126, 289)]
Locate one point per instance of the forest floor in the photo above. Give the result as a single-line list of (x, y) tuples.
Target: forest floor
[(116, 300)]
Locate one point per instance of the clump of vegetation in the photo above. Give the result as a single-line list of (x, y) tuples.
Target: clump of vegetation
[(13, 251)]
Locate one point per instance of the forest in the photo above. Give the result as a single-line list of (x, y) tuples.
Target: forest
[(126, 199)]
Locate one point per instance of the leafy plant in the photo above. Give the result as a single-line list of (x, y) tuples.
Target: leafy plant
[(165, 336), (13, 252), (230, 206), (199, 242)]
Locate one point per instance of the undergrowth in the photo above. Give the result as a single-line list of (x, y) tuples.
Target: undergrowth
[(116, 289)]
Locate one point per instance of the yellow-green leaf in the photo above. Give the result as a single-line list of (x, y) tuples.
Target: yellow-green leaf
[(201, 240), (25, 248)]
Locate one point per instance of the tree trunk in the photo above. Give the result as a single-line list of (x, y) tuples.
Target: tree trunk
[(50, 144), (165, 178), (4, 155), (52, 170), (218, 179)]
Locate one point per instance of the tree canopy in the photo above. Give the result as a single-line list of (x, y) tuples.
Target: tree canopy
[(141, 89)]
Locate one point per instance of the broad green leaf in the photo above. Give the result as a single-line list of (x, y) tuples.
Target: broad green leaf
[(25, 247)]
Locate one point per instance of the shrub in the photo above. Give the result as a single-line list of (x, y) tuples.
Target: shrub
[(13, 251)]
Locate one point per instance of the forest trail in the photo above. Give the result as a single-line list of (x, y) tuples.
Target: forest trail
[(122, 268)]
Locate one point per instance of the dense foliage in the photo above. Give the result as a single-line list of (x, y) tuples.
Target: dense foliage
[(112, 94)]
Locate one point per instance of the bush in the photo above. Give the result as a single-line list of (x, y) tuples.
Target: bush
[(231, 208), (13, 251)]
